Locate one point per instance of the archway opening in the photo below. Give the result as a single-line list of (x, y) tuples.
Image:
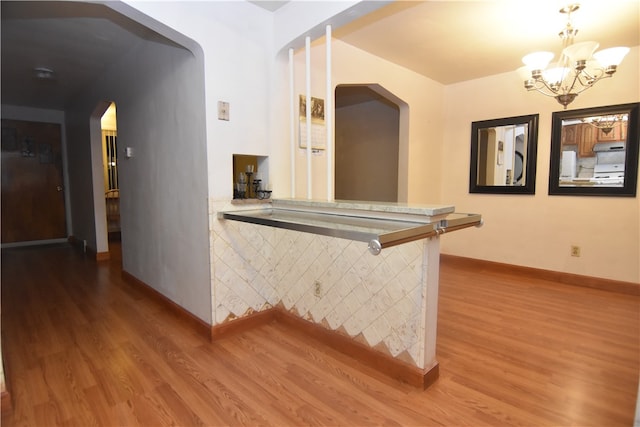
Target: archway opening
[(367, 144)]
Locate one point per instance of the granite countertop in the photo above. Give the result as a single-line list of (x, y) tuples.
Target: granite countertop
[(362, 206), (378, 223)]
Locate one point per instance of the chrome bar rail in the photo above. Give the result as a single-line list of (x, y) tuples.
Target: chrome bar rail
[(378, 233)]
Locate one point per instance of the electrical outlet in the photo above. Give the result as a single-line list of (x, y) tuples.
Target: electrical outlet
[(317, 288), (575, 251)]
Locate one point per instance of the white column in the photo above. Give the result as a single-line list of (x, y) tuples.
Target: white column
[(328, 116), (292, 124), (307, 50), (430, 285)]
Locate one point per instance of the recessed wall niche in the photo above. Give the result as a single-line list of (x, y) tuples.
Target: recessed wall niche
[(251, 177)]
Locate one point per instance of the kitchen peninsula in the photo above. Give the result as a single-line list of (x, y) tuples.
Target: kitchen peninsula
[(363, 271)]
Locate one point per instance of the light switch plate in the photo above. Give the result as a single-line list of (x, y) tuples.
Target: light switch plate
[(223, 110)]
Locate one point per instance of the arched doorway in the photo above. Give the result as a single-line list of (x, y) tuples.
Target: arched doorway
[(109, 126), (367, 144)]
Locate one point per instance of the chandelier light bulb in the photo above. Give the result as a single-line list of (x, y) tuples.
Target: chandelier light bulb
[(537, 60), (556, 75), (611, 56), (580, 51), (524, 74)]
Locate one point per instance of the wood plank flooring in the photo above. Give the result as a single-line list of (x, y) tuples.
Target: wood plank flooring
[(83, 348)]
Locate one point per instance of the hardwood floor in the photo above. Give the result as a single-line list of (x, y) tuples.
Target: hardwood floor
[(83, 348)]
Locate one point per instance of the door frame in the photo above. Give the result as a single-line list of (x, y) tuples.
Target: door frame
[(99, 203)]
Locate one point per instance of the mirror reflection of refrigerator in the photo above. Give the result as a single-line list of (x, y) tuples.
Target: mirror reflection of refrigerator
[(568, 166)]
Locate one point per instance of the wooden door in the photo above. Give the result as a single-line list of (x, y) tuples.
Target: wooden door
[(32, 191)]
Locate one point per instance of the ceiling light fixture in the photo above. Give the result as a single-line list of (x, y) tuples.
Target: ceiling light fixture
[(578, 68), (43, 73)]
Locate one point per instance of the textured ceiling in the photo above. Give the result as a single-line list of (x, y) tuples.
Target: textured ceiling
[(78, 41), (453, 41), (271, 6), (447, 41)]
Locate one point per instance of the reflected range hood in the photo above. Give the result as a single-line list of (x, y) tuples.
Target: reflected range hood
[(609, 146)]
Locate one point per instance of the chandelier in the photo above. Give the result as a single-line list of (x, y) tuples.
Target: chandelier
[(578, 68), (606, 123)]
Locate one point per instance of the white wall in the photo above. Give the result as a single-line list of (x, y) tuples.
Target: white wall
[(159, 90), (535, 231), (245, 71), (538, 230), (420, 156), (292, 23), (236, 40)]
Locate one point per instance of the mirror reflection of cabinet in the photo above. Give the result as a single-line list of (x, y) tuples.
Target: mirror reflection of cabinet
[(588, 138), (570, 135), (585, 136), (594, 151)]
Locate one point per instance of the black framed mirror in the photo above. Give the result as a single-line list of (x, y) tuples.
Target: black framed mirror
[(594, 151), (503, 155)]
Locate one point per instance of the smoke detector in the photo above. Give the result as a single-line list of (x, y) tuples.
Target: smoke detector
[(43, 73)]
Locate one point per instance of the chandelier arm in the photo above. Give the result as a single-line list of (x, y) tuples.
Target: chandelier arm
[(576, 78), (540, 85), (542, 92), (599, 74), (593, 80)]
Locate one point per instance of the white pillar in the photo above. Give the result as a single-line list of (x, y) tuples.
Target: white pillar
[(430, 285), (307, 49), (328, 116), (292, 124)]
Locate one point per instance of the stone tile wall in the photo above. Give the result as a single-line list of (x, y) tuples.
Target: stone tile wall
[(377, 300)]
